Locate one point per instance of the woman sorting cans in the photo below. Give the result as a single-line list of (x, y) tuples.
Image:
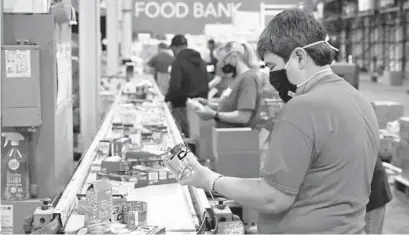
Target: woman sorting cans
[(317, 174), (240, 103)]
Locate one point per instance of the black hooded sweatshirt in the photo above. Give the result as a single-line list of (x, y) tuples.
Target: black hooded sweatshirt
[(188, 78)]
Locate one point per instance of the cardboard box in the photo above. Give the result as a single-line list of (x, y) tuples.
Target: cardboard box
[(402, 153), (111, 164), (405, 169), (135, 213), (235, 140), (99, 201), (387, 111), (386, 146), (404, 128), (243, 164)]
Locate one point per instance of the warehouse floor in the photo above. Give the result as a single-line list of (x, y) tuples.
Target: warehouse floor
[(397, 212)]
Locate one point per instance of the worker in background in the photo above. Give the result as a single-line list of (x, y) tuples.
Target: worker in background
[(240, 103), (211, 45), (317, 175), (380, 196), (188, 79), (161, 62), (220, 82)]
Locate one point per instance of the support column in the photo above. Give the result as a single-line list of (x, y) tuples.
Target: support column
[(126, 29), (1, 62), (89, 57), (112, 24), (404, 24)]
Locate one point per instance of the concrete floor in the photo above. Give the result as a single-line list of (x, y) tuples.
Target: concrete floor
[(397, 212)]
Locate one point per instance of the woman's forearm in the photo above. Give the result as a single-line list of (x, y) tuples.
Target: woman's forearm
[(216, 81), (240, 117)]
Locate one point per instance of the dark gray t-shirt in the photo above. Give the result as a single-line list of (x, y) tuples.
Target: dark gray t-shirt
[(242, 94), (323, 149)]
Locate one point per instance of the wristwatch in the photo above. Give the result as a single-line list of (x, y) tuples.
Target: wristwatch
[(216, 117)]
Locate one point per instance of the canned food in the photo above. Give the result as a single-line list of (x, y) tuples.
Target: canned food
[(176, 161)]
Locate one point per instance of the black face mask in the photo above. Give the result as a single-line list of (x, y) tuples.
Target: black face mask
[(280, 82), (229, 69)]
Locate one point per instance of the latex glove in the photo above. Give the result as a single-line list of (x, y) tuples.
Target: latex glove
[(169, 105), (203, 101), (206, 113), (201, 177)]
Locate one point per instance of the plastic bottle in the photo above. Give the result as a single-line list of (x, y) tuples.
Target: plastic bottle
[(15, 173)]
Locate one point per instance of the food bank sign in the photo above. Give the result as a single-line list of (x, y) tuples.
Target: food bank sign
[(180, 10), (182, 16)]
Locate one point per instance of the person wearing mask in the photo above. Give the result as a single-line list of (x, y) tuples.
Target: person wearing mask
[(380, 196), (240, 103), (188, 79), (317, 174), (220, 82), (161, 62)]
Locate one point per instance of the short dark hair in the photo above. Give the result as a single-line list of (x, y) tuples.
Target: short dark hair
[(179, 40), (211, 42), (295, 28)]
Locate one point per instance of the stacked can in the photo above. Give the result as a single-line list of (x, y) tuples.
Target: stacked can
[(176, 161)]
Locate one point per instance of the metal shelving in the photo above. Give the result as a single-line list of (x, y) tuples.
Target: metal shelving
[(375, 37)]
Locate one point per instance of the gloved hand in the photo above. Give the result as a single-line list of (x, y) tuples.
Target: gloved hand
[(201, 177)]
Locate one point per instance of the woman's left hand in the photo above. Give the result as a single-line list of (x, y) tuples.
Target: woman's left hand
[(206, 113), (201, 177)]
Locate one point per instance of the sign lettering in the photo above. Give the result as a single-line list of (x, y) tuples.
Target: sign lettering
[(190, 16), (180, 10)]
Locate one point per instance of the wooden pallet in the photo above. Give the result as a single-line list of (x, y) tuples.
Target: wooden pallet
[(402, 185)]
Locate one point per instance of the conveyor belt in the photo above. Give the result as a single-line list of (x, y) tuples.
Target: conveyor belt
[(171, 205)]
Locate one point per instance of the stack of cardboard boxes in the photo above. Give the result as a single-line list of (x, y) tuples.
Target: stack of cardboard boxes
[(403, 149), (237, 154), (387, 112)]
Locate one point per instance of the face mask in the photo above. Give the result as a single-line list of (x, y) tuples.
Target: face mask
[(229, 69), (279, 79), (280, 82)]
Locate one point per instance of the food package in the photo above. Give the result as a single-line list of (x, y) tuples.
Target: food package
[(117, 211), (135, 213), (118, 228), (99, 201), (387, 111), (196, 105), (158, 175)]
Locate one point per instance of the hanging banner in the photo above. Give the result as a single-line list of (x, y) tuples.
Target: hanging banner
[(189, 16)]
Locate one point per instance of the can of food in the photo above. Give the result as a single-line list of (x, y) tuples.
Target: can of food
[(176, 161)]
